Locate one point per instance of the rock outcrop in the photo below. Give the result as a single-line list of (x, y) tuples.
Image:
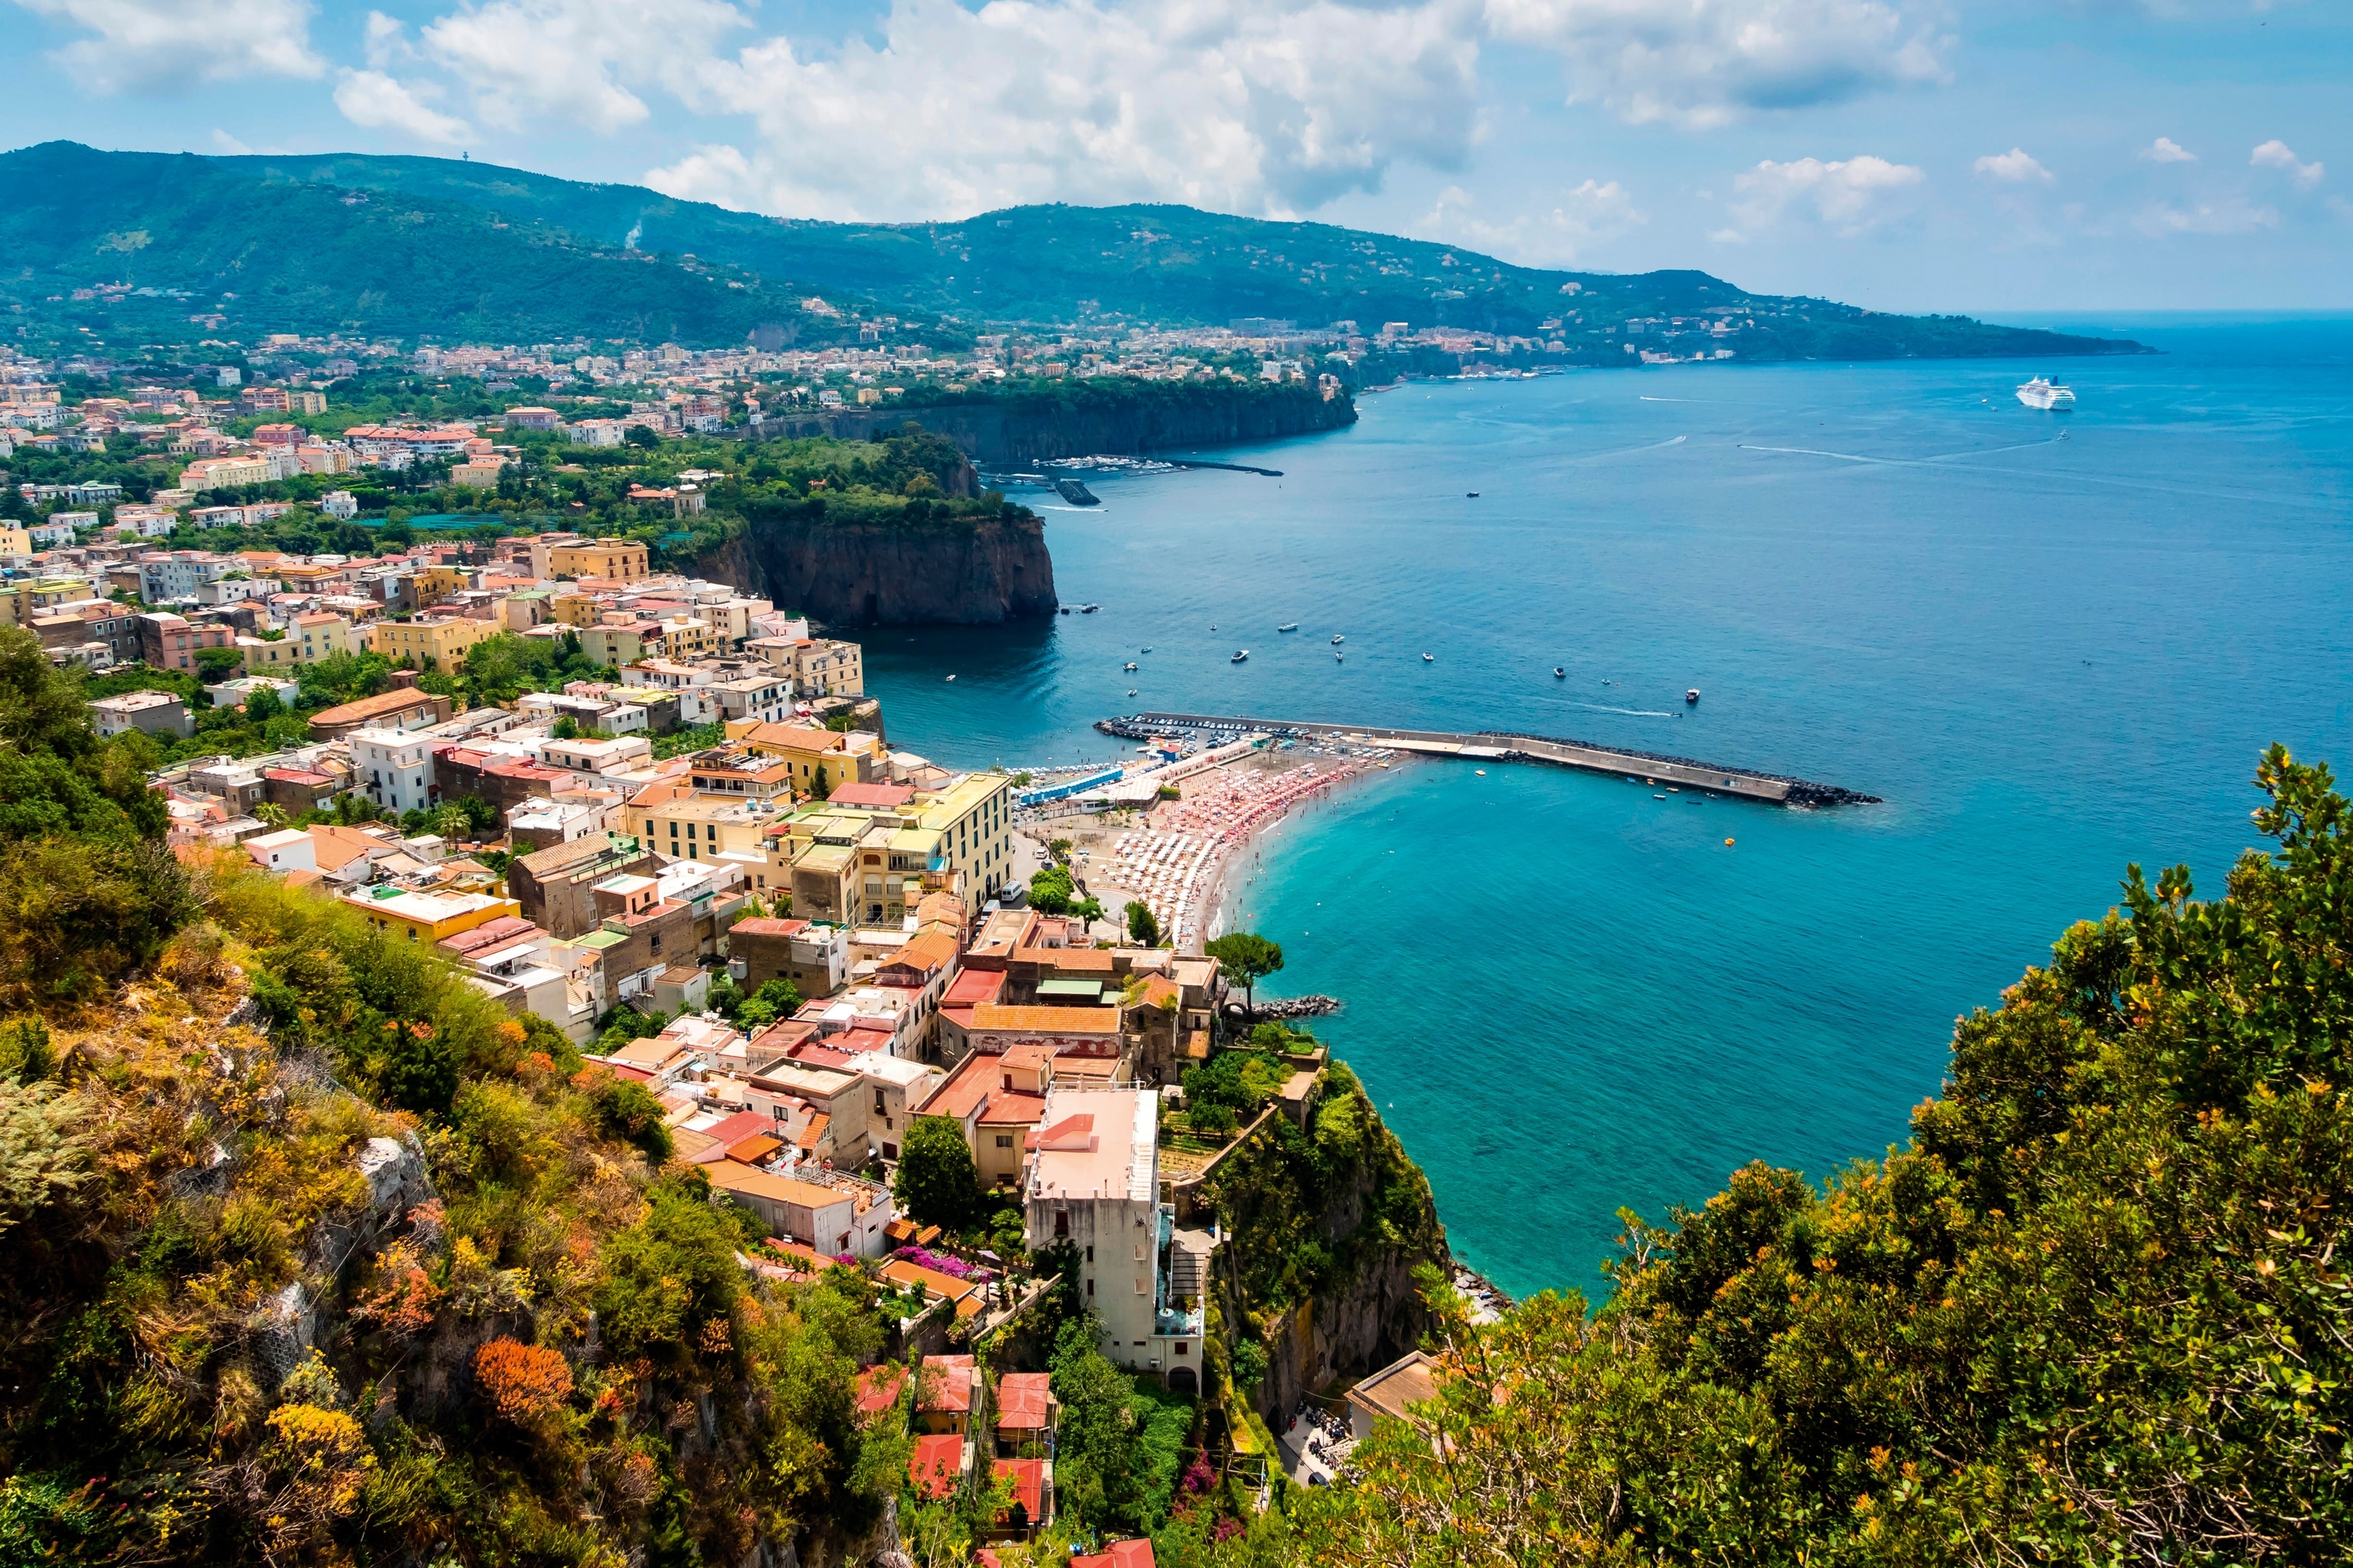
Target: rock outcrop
[(1094, 420), (963, 573)]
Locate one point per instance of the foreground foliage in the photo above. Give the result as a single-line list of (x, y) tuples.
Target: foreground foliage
[(2094, 1311)]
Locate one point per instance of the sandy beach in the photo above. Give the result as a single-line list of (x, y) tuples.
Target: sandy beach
[(1175, 857)]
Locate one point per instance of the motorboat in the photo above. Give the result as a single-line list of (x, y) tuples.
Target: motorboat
[(1691, 696), (1430, 657), (1469, 496), (2046, 395), (1129, 666), (1558, 674), (1130, 691), (1239, 654), (1337, 637), (1294, 626), (951, 677), (1089, 608), (1338, 658), (1065, 609)]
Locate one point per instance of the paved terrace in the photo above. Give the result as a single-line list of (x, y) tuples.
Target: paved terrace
[(1770, 789)]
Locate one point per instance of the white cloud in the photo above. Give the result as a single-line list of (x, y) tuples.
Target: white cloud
[(1704, 63), (2276, 154), (229, 143), (2232, 215), (372, 98), (526, 62), (2166, 150), (163, 43), (1850, 197), (1593, 212), (1265, 108), (2016, 167), (387, 40)]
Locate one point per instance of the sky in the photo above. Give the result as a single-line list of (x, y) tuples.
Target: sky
[(1975, 155)]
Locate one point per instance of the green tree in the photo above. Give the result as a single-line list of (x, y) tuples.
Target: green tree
[(215, 666), (936, 1183), (1246, 959), (1051, 891), (1142, 925)]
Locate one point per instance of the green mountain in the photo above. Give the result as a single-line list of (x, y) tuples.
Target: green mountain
[(409, 245)]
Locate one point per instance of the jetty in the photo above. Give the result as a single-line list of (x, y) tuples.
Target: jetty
[(1504, 746)]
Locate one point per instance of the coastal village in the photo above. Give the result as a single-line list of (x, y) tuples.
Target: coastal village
[(709, 868)]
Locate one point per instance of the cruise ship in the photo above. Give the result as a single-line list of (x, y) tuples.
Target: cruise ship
[(2042, 393)]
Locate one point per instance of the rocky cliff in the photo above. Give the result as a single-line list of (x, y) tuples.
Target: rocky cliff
[(1326, 1226), (849, 573), (1085, 419)]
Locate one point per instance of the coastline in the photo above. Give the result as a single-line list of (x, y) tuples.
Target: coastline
[(1183, 858)]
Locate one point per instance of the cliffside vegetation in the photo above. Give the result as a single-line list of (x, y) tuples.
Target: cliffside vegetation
[(2096, 1311), (319, 1258)]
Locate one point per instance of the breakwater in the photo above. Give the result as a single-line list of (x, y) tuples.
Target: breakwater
[(1651, 768)]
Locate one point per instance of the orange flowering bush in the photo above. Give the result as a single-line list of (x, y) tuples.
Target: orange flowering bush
[(523, 1383)]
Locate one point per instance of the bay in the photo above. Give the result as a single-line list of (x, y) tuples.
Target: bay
[(2051, 657)]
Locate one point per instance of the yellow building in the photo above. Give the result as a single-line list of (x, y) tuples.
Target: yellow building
[(20, 602), (434, 644), (434, 584), (311, 638), (617, 559), (15, 541), (575, 608), (697, 827), (863, 854), (482, 473), (427, 917), (686, 639), (852, 756)]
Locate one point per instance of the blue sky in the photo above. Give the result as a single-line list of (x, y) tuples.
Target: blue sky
[(1981, 155)]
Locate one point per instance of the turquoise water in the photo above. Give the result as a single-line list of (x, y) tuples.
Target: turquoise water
[(2050, 657)]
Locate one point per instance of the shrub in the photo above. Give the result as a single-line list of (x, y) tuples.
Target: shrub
[(521, 1384)]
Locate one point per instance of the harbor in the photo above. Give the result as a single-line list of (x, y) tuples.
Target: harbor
[(1647, 768)]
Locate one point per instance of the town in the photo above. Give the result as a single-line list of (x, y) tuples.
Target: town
[(661, 820)]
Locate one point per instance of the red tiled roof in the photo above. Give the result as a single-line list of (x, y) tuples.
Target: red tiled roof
[(951, 1383), (1029, 1478), (767, 926), (971, 988), (1014, 1108), (1118, 1554), (936, 1464), (884, 795), (815, 1054), (878, 1388), (1021, 1400)]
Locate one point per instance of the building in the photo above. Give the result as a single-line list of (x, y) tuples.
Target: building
[(394, 769), (1391, 1393), (438, 644), (1093, 1181), (639, 934), (169, 642), (157, 712), (428, 917), (842, 1216), (816, 959), (614, 560), (556, 885), (339, 504), (288, 849), (482, 473), (401, 708)]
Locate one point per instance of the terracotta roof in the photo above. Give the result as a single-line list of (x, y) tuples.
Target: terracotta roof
[(766, 926), (1118, 1554), (1047, 1019), (882, 794), (950, 1385), (933, 951), (1013, 1108), (970, 989), (966, 1090), (937, 1463), (813, 1133), (878, 1388), (899, 1271), (1022, 1400), (1029, 1478), (1067, 961), (752, 1151)]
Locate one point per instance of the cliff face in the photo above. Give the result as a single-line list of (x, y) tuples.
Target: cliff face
[(849, 574), (1124, 422), (1326, 1226)]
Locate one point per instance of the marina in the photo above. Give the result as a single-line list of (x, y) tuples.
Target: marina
[(1650, 767)]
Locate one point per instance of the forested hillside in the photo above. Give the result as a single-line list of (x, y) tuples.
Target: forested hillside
[(406, 245)]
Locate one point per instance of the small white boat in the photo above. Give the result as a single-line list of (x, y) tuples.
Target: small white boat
[(1558, 674), (1337, 639), (1239, 654), (1130, 691), (1129, 666), (1691, 696), (1430, 657), (1338, 658), (951, 677), (1293, 627), (1480, 771)]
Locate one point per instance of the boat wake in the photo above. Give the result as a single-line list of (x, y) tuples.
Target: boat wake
[(1629, 713)]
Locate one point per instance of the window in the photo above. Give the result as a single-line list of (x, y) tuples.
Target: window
[(1090, 1252), (1091, 1289), (1004, 1140), (1062, 1222)]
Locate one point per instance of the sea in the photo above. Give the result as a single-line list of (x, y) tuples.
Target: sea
[(2055, 644)]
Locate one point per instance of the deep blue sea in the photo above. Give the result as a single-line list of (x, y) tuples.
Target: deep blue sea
[(2052, 658)]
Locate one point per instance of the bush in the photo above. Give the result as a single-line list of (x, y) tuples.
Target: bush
[(521, 1384)]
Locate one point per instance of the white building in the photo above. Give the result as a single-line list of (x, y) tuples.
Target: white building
[(1095, 1181), (394, 768), (288, 849), (339, 504)]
